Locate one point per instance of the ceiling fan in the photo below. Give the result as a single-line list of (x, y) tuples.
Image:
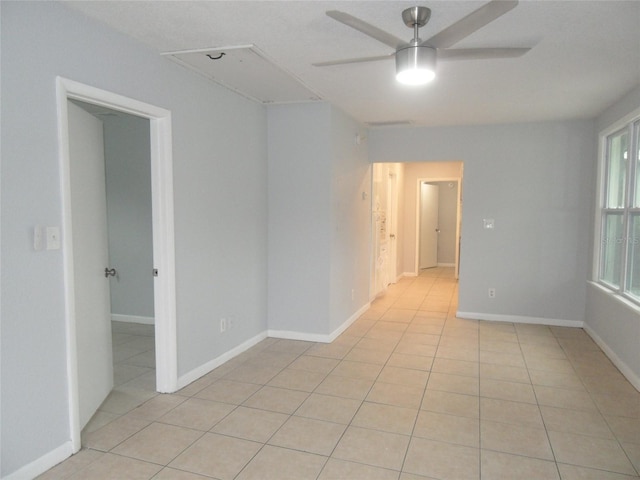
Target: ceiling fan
[(416, 59)]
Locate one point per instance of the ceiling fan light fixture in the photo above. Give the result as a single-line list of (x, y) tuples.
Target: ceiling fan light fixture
[(415, 64)]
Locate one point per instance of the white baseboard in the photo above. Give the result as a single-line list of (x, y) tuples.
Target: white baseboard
[(409, 274), (115, 317), (198, 372), (521, 319), (42, 464), (629, 374), (319, 337)]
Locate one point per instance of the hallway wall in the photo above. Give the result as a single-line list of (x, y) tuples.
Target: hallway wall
[(536, 181)]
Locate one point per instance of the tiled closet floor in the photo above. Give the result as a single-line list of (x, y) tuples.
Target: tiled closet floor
[(408, 392)]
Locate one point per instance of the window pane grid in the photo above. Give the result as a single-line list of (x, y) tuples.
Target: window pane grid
[(619, 262), (617, 153)]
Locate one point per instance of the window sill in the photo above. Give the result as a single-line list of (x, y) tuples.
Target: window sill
[(632, 306)]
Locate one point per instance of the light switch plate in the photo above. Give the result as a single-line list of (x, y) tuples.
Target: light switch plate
[(489, 223), (38, 238)]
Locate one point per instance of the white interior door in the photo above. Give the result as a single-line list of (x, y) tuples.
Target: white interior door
[(90, 257), (428, 225), (392, 224)]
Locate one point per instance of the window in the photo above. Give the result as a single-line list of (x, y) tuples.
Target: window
[(619, 261)]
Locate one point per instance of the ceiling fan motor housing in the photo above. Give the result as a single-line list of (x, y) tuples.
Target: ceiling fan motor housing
[(415, 64)]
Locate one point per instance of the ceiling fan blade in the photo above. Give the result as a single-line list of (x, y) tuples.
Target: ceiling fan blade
[(472, 22), (480, 53), (366, 28), (354, 60)]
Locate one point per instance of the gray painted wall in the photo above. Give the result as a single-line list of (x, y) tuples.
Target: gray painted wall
[(318, 222), (219, 152), (299, 217), (129, 216), (536, 181), (350, 220)]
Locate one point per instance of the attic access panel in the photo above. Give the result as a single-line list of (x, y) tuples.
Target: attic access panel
[(248, 71)]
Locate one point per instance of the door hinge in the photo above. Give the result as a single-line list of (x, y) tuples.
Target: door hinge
[(155, 272)]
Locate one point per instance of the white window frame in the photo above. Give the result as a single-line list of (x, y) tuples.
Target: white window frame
[(631, 123)]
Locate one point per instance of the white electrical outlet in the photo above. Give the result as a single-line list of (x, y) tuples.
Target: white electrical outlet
[(223, 325), (53, 238), (492, 293)]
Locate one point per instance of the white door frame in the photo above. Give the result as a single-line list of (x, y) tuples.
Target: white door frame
[(163, 236), (457, 180), (392, 225)]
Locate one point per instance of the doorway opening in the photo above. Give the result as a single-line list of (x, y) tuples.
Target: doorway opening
[(438, 225), (163, 257), (396, 219)]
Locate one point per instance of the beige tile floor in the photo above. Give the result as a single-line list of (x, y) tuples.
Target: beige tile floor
[(408, 392)]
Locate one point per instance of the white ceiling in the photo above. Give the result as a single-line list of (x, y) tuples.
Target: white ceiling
[(586, 54)]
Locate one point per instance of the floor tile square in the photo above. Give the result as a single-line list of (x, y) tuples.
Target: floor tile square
[(358, 370), (515, 413), (442, 460), (197, 413), (158, 443), (340, 469), (217, 456), (115, 432), (329, 408), (573, 472), (250, 424), (592, 452), (282, 464), (252, 374), (372, 447), (398, 395), (455, 367), (448, 428), (503, 466), (445, 382), (276, 399), (451, 403), (564, 398), (314, 364), (173, 474), (575, 421), (516, 439), (387, 418), (416, 362), (367, 355), (403, 376), (344, 387), (116, 467), (297, 380), (228, 392), (308, 435), (514, 391)]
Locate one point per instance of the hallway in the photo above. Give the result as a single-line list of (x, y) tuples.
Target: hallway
[(408, 392)]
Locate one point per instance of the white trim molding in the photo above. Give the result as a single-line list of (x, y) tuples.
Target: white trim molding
[(629, 374), (163, 235), (202, 370), (555, 322), (319, 337), (42, 464)]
